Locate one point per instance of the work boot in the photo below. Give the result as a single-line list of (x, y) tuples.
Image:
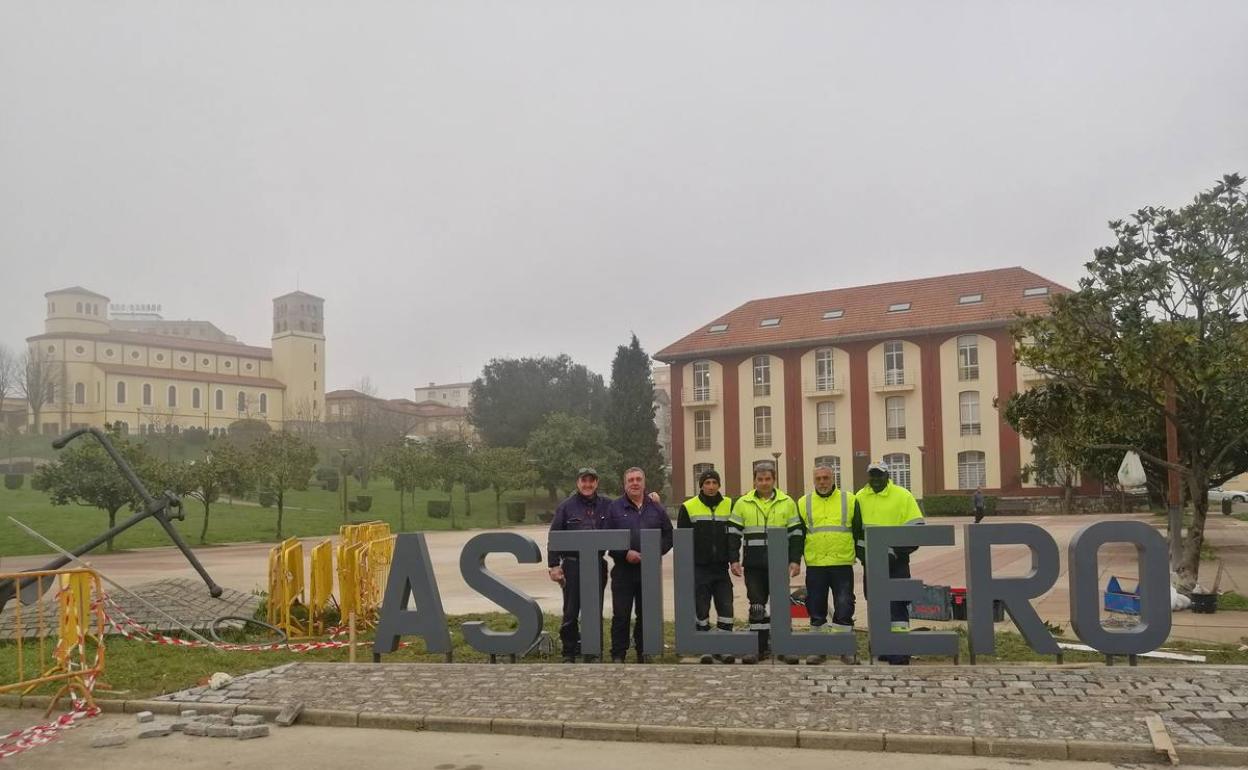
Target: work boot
[(749, 660), (789, 659), (707, 659), (617, 658), (569, 658), (590, 659), (815, 660), (849, 660), (726, 658), (645, 658)]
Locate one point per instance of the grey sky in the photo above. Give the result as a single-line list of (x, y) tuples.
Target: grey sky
[(462, 180)]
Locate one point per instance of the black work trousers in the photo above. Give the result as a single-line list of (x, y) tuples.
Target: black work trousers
[(758, 591), (839, 580), (712, 583), (625, 600), (570, 629), (898, 612)]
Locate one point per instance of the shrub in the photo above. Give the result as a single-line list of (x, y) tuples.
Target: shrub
[(546, 517), (363, 503), (331, 484), (325, 474), (438, 509), (36, 483), (267, 499), (955, 505), (13, 480), (515, 512)]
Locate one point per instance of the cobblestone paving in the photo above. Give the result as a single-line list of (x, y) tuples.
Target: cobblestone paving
[(1017, 702), (183, 598)]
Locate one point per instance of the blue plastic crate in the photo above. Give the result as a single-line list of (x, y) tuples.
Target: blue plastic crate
[(1118, 599)]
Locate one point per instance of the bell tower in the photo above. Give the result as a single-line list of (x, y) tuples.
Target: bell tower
[(299, 354)]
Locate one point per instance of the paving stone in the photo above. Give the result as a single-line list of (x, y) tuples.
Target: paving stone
[(196, 728), (144, 716), (252, 731), (155, 732), (222, 731), (188, 713), (289, 713), (108, 739), (247, 720)]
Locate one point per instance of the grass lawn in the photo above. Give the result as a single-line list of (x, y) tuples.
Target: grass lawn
[(309, 513), (136, 669), (1232, 601)]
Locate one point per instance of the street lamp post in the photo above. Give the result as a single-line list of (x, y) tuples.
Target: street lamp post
[(342, 470), (776, 456)]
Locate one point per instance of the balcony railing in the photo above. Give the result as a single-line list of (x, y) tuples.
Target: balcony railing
[(823, 387), (699, 397), (893, 380)]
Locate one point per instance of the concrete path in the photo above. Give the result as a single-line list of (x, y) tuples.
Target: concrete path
[(243, 567), (328, 747)]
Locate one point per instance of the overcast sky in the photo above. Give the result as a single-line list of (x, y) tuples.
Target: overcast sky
[(462, 180)]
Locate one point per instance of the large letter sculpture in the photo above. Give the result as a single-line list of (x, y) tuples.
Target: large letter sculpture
[(589, 546), (1015, 592), (1154, 589), (411, 574), (492, 587), (689, 640), (783, 640), (884, 590)]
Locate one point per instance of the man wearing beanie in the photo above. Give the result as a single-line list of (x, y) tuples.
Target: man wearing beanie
[(716, 544)]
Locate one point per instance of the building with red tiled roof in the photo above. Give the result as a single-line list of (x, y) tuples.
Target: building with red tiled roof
[(105, 372), (347, 409), (907, 372)]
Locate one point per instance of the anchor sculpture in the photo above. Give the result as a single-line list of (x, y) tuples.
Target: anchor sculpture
[(164, 508)]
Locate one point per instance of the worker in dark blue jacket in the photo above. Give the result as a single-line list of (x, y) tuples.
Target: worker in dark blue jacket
[(585, 509), (634, 512)]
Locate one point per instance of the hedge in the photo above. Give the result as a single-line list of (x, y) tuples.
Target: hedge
[(267, 499), (438, 509), (363, 503), (955, 505), (13, 480), (515, 512)]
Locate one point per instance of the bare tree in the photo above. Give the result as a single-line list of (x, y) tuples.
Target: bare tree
[(40, 383), (8, 373), (372, 425), (304, 419)]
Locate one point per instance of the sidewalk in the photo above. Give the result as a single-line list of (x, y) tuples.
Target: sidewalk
[(1202, 706)]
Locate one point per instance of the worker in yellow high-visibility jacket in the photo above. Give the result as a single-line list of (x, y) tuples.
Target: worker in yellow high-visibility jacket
[(829, 552), (884, 504)]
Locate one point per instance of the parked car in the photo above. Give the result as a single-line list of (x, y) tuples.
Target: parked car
[(1218, 494)]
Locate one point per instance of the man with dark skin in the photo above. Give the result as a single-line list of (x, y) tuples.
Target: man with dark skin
[(881, 503)]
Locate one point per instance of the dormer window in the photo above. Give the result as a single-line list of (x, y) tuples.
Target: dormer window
[(899, 307), (830, 315), (1036, 291), (717, 328), (766, 322), (970, 299)]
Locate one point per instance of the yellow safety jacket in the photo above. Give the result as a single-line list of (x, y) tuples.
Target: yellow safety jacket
[(716, 532), (757, 516), (829, 528), (893, 506)]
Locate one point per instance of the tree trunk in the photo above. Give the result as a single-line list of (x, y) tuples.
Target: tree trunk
[(1188, 572), (279, 516), (554, 496), (112, 522), (402, 515), (1068, 496), (203, 533), (498, 505), (467, 502)]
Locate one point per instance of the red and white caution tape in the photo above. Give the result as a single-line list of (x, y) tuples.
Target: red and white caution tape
[(20, 740)]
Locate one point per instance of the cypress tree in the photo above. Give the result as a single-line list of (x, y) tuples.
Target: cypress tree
[(630, 414)]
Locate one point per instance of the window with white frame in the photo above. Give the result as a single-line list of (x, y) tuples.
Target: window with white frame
[(894, 363), (80, 393), (702, 429), (972, 470), (833, 462), (898, 468), (702, 381), (762, 426), (895, 417), (968, 412), (968, 357), (825, 419), (762, 376), (699, 469), (825, 376)]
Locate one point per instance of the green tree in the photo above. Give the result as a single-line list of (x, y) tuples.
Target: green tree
[(504, 469), (565, 443), (451, 465), (513, 396), (1163, 309), (223, 469), (631, 429), (281, 462), (84, 474), (410, 467)]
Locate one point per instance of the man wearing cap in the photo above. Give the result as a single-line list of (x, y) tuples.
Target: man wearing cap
[(884, 504), (633, 511), (585, 509), (827, 518), (762, 508), (716, 544)]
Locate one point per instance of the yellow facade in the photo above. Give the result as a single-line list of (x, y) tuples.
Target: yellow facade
[(968, 391), (894, 446), (755, 445), (818, 388), (150, 383)]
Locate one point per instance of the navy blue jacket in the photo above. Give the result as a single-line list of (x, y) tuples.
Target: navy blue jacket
[(624, 515), (576, 513)]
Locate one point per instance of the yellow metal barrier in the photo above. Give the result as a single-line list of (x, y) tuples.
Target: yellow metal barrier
[(286, 587), (77, 659), (320, 586), (364, 555)]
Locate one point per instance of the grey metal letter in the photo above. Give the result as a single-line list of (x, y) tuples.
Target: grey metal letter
[(1154, 589), (651, 592), (588, 544), (411, 575), (492, 587), (883, 590), (1015, 592), (783, 640), (689, 640)]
